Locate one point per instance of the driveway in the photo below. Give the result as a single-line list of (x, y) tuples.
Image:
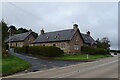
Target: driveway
[(42, 64)]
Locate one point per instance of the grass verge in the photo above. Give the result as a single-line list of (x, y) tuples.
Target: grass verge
[(12, 64), (81, 57)]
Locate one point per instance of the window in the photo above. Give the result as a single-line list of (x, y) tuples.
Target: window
[(47, 37), (54, 44), (16, 44), (77, 39), (10, 44), (76, 47), (55, 37), (28, 38), (62, 45)]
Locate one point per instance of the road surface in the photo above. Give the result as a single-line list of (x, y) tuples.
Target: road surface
[(104, 68)]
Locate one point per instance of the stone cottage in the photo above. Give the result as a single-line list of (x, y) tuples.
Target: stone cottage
[(22, 39), (69, 40)]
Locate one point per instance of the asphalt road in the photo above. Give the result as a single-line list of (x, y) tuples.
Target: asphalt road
[(104, 68)]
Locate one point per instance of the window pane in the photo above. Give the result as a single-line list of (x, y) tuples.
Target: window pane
[(63, 45), (76, 47)]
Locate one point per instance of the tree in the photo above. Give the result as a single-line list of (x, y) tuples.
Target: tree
[(35, 34), (13, 29), (103, 43), (4, 31), (22, 30), (4, 34)]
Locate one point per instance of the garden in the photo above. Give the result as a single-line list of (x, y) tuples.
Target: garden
[(52, 52)]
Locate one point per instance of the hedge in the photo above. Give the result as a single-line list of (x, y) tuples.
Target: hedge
[(93, 50), (5, 46), (23, 49), (49, 51), (115, 51), (4, 53)]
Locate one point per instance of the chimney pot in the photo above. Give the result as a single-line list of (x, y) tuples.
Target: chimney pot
[(75, 26), (88, 33), (42, 31)]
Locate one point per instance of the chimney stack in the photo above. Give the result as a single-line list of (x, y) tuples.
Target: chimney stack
[(75, 26), (88, 33), (42, 31)]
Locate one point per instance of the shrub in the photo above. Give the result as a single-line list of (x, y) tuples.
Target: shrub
[(23, 49), (115, 51), (46, 51), (50, 51), (5, 46), (93, 50), (4, 53), (118, 51)]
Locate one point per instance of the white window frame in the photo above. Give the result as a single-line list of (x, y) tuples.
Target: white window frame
[(76, 46), (63, 45)]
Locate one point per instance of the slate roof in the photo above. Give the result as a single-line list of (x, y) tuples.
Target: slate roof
[(63, 35), (88, 39), (18, 37)]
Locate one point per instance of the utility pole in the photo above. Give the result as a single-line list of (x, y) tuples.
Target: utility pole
[(9, 31)]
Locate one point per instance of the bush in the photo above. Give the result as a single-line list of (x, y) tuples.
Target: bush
[(49, 51), (93, 50), (115, 51), (23, 49), (4, 53), (5, 46), (118, 51)]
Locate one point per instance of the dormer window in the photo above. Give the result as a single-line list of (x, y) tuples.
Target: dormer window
[(55, 37), (47, 37)]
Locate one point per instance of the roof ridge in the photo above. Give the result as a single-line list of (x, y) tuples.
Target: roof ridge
[(58, 31), (20, 33)]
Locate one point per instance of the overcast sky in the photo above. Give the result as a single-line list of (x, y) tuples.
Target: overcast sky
[(101, 19)]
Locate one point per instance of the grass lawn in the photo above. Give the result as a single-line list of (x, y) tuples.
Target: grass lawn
[(12, 64), (81, 56)]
